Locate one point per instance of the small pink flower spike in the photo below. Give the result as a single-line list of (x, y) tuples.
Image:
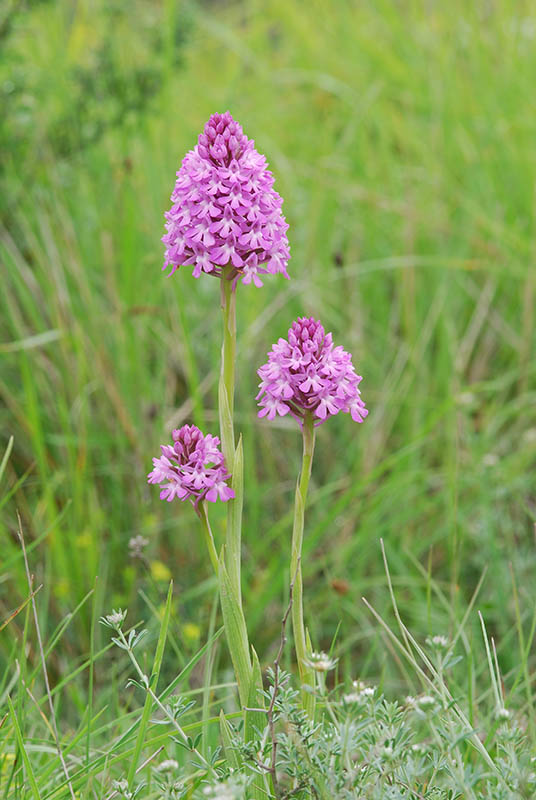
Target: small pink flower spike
[(192, 468), (305, 373)]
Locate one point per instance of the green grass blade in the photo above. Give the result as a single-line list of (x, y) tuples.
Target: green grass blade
[(153, 683), (5, 458), (20, 742)]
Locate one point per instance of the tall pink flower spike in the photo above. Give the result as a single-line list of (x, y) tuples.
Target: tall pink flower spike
[(225, 210)]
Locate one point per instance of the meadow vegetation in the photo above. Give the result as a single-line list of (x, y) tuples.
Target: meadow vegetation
[(402, 142)]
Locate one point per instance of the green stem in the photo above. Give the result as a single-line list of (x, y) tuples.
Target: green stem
[(144, 680), (227, 374), (300, 640), (229, 568), (233, 457), (202, 513)]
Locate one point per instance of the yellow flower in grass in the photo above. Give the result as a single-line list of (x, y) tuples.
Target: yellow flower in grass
[(63, 587), (191, 632), (84, 539), (160, 571)]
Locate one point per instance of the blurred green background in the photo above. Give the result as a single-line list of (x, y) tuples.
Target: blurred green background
[(401, 136)]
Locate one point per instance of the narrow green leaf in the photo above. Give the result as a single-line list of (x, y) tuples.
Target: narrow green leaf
[(236, 632), (144, 722), (310, 680), (228, 749), (20, 742), (207, 680), (38, 340), (234, 522), (255, 719), (13, 614), (5, 459)]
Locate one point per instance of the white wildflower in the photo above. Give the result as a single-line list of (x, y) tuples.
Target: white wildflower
[(426, 702), (438, 642), (361, 693), (169, 765), (320, 662), (115, 619), (136, 546), (121, 787), (233, 789)]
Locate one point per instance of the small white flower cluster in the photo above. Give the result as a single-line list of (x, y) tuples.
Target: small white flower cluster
[(418, 748), (232, 789), (438, 642), (360, 694), (136, 546), (220, 792), (169, 765), (423, 703), (121, 787), (320, 662), (115, 619), (502, 714)]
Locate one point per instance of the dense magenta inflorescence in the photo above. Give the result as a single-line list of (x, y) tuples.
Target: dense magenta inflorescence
[(306, 373), (225, 210), (192, 468)]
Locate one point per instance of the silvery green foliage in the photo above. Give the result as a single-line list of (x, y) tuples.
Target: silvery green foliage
[(369, 748), (122, 790), (234, 788), (361, 746)]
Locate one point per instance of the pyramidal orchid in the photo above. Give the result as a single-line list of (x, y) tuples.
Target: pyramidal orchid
[(225, 210), (310, 378), (307, 374), (225, 221), (192, 468)]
